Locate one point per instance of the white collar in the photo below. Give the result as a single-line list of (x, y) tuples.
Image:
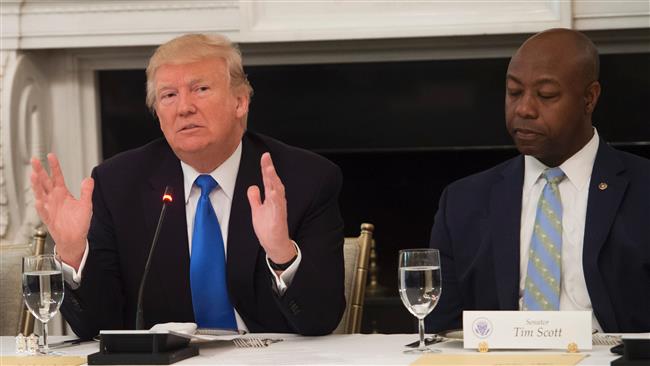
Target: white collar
[(225, 174), (577, 168)]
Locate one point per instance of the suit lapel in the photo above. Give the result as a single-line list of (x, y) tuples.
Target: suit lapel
[(504, 225), (243, 246), (170, 262), (606, 190)]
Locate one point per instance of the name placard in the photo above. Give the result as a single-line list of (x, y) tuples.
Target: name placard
[(527, 329)]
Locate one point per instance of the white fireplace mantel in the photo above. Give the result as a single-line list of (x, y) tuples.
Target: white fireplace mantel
[(38, 24)]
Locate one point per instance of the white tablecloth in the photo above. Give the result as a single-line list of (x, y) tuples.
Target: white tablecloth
[(354, 349)]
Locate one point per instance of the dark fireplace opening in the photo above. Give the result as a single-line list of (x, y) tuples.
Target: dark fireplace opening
[(399, 131)]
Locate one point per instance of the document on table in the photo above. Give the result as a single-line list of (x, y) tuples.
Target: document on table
[(497, 360)]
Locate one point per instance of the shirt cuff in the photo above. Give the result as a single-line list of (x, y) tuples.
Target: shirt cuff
[(72, 277), (283, 281)]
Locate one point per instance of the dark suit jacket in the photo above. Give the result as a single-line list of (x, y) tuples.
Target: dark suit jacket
[(126, 205), (477, 230)]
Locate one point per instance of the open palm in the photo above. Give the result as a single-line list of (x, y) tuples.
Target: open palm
[(67, 218), (270, 217)]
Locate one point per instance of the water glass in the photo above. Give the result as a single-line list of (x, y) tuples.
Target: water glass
[(420, 285), (43, 289)]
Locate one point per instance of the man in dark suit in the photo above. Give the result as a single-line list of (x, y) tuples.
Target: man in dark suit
[(283, 252), (487, 224)]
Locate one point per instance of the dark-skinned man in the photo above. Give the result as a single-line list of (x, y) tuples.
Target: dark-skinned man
[(563, 226)]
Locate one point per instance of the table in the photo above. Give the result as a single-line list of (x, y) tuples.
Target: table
[(349, 349)]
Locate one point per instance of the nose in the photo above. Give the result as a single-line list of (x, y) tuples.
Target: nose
[(186, 105), (526, 107)]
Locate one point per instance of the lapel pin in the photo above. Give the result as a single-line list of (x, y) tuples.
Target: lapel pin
[(602, 186)]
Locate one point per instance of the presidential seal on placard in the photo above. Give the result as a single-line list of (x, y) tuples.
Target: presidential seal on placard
[(482, 327)]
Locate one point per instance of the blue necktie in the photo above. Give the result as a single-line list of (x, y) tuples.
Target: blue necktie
[(542, 287), (212, 307)]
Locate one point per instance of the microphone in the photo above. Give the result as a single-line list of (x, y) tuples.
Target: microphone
[(144, 347), (166, 200)]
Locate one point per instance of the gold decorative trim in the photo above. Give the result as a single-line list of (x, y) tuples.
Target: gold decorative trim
[(572, 348), (483, 347), (357, 297)]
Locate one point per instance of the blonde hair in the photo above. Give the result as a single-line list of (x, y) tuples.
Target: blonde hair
[(196, 47)]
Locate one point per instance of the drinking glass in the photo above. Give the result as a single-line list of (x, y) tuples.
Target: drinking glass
[(420, 284), (43, 289)]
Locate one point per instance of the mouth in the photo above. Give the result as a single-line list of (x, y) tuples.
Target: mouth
[(189, 128), (525, 134)]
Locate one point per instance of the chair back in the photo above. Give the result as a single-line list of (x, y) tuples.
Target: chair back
[(356, 253)]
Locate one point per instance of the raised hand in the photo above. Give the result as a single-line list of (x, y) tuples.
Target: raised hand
[(270, 217), (67, 218)]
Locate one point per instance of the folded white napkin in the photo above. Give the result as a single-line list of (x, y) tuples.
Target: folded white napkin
[(197, 335), (186, 328)]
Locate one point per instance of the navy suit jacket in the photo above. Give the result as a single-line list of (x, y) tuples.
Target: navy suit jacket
[(477, 230), (126, 205)]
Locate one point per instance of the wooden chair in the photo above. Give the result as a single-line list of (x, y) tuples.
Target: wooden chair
[(356, 253)]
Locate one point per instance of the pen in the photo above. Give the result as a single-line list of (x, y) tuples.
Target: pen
[(69, 342)]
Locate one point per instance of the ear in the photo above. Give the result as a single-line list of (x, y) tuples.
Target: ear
[(591, 97), (242, 105)]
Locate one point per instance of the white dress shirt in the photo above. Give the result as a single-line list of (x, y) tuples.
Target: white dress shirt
[(574, 192), (221, 199)]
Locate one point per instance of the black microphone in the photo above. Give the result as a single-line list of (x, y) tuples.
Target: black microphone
[(144, 347), (166, 200)]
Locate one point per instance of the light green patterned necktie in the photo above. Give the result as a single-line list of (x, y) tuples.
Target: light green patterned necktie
[(542, 287)]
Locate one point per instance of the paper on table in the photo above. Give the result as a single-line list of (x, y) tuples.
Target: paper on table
[(192, 328), (198, 335), (202, 338), (42, 360), (495, 359)]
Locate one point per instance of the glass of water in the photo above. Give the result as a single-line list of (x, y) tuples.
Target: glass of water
[(420, 284), (43, 289)]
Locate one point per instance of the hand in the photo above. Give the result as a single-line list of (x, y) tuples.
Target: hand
[(67, 219), (270, 217)]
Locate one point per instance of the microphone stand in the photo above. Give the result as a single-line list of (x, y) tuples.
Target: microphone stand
[(139, 320), (140, 346)]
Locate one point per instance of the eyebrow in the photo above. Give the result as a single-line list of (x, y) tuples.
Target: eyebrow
[(510, 77), (162, 88), (196, 81), (170, 86), (543, 80), (547, 80)]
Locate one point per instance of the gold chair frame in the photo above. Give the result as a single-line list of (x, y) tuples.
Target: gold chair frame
[(354, 308)]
